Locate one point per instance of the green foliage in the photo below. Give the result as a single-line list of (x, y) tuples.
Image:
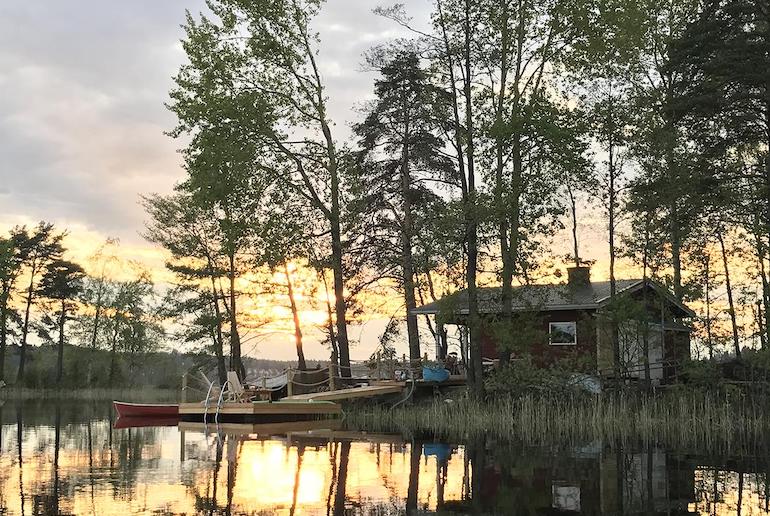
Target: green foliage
[(702, 374), (524, 376)]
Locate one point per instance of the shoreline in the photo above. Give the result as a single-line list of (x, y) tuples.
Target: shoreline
[(140, 394)]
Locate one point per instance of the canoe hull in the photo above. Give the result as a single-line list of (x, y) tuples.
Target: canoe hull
[(145, 421), (145, 409)]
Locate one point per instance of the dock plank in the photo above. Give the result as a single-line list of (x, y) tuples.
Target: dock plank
[(347, 394), (262, 408)]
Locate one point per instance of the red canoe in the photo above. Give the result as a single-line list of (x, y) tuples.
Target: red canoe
[(145, 421), (145, 409)]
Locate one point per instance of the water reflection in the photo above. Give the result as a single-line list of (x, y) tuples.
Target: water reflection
[(68, 459)]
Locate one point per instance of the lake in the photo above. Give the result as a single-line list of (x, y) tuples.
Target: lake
[(66, 458)]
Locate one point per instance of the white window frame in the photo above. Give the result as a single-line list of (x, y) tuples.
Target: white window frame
[(550, 332)]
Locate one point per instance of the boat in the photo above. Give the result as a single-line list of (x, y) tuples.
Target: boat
[(145, 421), (125, 409)]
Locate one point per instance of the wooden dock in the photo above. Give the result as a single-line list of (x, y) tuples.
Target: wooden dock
[(367, 391), (259, 411)]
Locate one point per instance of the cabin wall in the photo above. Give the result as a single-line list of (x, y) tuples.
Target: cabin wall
[(665, 362), (543, 352)]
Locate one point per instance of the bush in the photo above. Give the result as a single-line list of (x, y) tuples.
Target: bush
[(702, 373), (523, 376)]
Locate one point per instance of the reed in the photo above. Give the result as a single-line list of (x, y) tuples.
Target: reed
[(692, 419)]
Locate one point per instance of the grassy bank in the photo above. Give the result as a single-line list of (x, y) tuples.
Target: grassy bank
[(701, 420), (132, 394)]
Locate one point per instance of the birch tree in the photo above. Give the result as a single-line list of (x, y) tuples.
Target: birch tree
[(260, 60)]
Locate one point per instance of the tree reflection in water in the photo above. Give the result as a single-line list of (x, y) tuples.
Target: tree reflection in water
[(60, 458)]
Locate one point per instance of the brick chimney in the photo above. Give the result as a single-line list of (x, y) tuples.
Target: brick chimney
[(579, 277)]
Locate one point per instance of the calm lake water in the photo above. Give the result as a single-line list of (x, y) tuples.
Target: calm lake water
[(66, 458)]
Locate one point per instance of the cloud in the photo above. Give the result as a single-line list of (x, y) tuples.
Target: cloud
[(81, 115), (82, 118)]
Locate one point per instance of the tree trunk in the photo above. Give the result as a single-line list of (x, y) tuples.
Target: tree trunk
[(97, 314), (646, 327), (114, 353), (333, 213), (407, 267), (730, 302), (573, 210), (676, 251), (761, 252), (612, 201), (295, 316), (3, 334), (219, 341), (338, 267), (235, 339), (340, 304), (25, 326), (60, 357), (767, 188), (500, 207), (707, 292), (471, 216), (330, 324)]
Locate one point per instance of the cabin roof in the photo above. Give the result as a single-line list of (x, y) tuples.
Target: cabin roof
[(550, 297)]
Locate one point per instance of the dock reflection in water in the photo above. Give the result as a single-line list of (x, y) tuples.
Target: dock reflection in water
[(68, 459)]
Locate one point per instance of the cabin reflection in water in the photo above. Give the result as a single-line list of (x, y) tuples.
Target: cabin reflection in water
[(59, 463), (587, 480)]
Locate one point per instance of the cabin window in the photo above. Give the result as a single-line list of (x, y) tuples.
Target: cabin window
[(563, 333)]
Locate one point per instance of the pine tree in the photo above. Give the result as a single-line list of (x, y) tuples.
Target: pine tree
[(39, 248), (401, 156), (61, 283)]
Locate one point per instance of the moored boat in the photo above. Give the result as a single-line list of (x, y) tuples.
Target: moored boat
[(145, 421), (125, 409)]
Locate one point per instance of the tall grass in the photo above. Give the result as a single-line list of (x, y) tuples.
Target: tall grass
[(692, 419)]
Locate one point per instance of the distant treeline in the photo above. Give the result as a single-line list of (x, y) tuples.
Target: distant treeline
[(90, 369)]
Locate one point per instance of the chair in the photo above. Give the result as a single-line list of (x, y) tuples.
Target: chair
[(235, 391)]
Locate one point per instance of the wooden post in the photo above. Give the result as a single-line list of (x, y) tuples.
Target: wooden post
[(183, 398), (379, 365), (181, 446), (289, 380), (332, 377)]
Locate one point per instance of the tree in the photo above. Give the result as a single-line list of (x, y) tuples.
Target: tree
[(94, 289), (60, 284), (660, 141), (258, 62), (520, 51), (731, 92), (40, 248), (11, 259), (401, 156), (283, 237), (722, 93), (193, 238), (454, 26), (133, 326)]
